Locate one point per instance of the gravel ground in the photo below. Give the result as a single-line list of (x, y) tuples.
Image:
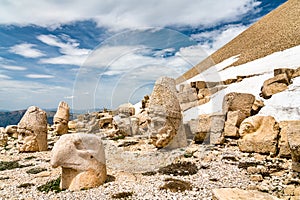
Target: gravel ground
[(218, 167)]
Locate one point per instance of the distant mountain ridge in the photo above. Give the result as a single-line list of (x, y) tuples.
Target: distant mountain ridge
[(13, 117), (277, 31)]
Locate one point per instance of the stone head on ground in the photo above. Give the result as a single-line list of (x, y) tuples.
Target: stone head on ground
[(61, 118), (164, 112), (32, 131), (82, 159)]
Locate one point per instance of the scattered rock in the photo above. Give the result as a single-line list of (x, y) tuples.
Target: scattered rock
[(284, 149), (293, 134), (232, 124), (239, 194), (274, 85)]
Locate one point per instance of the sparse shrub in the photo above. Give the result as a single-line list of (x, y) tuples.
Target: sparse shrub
[(52, 185), (179, 169), (122, 195), (36, 170), (175, 185)]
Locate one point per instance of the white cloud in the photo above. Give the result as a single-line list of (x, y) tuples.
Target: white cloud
[(124, 14), (26, 50), (38, 76), (213, 40), (22, 94), (3, 76), (13, 67), (72, 54)]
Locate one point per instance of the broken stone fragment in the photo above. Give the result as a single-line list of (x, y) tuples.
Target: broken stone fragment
[(274, 85), (239, 194), (293, 135), (259, 134), (238, 101), (82, 159)]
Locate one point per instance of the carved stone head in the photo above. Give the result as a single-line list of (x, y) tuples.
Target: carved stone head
[(32, 131), (82, 159), (61, 118)]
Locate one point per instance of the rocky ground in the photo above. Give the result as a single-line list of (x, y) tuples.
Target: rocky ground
[(193, 174)]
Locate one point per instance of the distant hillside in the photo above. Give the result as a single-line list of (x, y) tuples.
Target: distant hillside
[(277, 31), (13, 117)]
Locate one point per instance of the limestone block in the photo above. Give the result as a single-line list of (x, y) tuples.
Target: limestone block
[(293, 134), (259, 134), (239, 194), (238, 101), (274, 85)]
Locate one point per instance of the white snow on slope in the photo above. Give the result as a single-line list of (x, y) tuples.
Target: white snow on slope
[(289, 58), (283, 106)]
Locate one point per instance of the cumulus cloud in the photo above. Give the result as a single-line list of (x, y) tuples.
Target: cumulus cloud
[(13, 67), (124, 14), (213, 40), (38, 76), (72, 54), (26, 50)]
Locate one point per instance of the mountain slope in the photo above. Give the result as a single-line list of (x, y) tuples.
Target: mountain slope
[(277, 31)]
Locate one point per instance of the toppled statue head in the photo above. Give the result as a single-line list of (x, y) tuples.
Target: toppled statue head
[(61, 118), (82, 159), (165, 113), (32, 131)]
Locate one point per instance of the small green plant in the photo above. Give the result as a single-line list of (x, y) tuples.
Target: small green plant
[(25, 185), (122, 195), (175, 185), (7, 165), (52, 185), (36, 170), (30, 158)]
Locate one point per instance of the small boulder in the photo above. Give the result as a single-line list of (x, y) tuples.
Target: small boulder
[(3, 137), (82, 159), (239, 194), (259, 134), (274, 85), (232, 124), (12, 131), (126, 110), (283, 145)]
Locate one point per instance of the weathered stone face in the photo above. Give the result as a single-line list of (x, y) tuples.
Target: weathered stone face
[(61, 118), (32, 131), (164, 112), (259, 134), (82, 159)]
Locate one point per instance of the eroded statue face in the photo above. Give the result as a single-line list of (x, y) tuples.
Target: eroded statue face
[(27, 140), (60, 126)]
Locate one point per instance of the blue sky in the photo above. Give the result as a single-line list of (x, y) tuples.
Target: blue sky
[(96, 54)]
